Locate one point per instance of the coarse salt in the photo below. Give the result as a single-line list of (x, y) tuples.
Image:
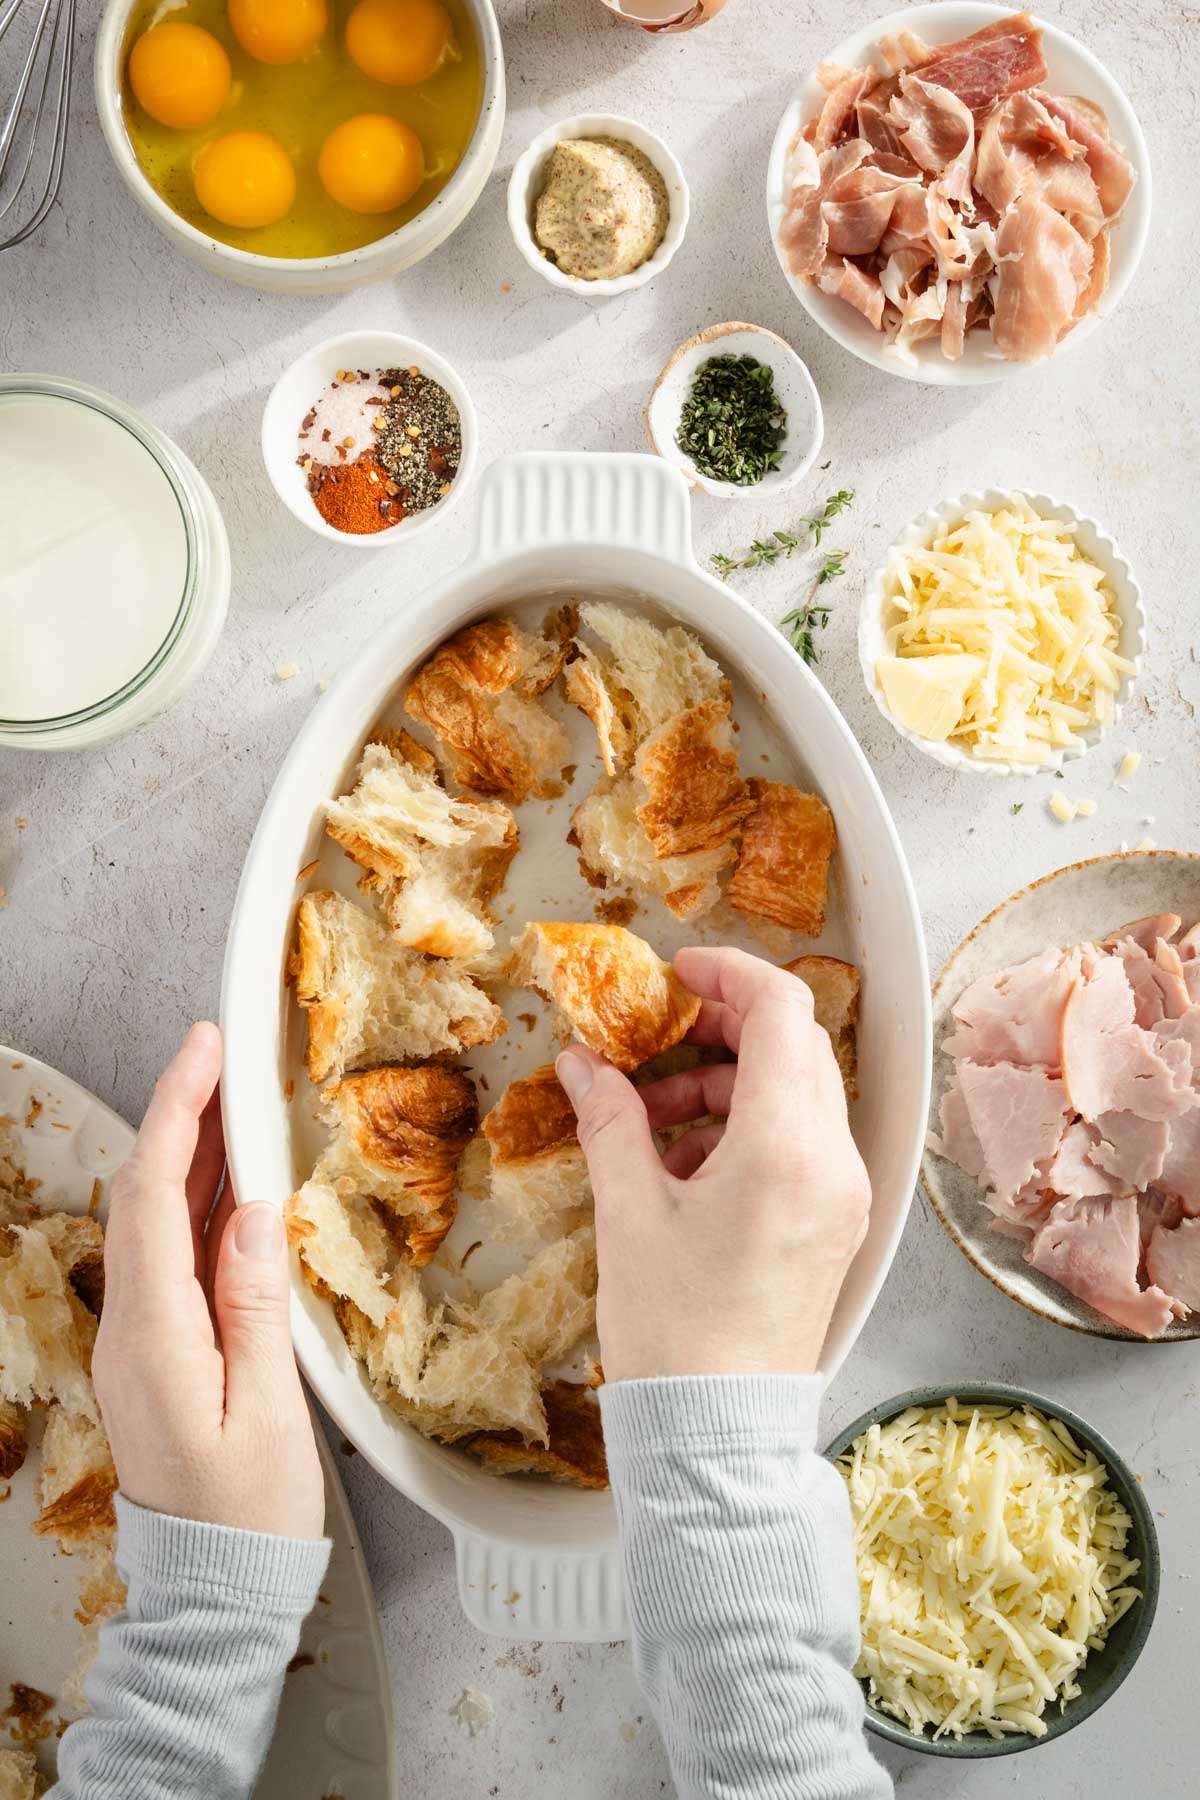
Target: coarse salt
[(343, 412)]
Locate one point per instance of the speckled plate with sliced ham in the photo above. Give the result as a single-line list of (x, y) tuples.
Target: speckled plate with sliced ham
[(1064, 1146)]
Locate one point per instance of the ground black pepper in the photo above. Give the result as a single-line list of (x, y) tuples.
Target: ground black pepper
[(417, 437)]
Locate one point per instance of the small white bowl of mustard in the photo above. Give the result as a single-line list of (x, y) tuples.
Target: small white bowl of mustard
[(528, 183)]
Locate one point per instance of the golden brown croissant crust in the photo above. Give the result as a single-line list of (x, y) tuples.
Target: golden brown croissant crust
[(533, 1117), (782, 871), (621, 998), (575, 1454), (835, 989), (696, 798)]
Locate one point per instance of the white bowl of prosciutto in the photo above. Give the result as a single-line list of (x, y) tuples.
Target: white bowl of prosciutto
[(1064, 1150), (959, 190)]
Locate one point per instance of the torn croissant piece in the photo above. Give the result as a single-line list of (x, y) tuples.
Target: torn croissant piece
[(639, 676), (20, 1777), (575, 1453), (14, 1444), (76, 1480), (46, 1331), (610, 986), (449, 1370), (478, 693), (669, 826), (371, 1000), (397, 1136), (782, 872), (549, 1305), (434, 863), (835, 988), (537, 1180)]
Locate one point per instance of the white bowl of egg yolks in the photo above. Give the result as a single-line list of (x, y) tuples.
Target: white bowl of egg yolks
[(318, 274)]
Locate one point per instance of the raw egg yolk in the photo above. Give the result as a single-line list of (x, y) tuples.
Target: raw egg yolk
[(277, 31), (371, 163), (180, 75), (399, 41), (245, 178)]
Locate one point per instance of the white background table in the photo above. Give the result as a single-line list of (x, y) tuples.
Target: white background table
[(121, 885)]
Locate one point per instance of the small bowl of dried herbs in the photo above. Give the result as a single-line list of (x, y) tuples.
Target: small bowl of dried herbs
[(737, 410)]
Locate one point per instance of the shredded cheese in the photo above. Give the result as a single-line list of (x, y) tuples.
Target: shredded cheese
[(1013, 594), (991, 1556), (1064, 810), (1131, 762)]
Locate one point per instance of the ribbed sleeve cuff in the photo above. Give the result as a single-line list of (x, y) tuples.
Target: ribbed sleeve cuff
[(253, 1565), (708, 1409)]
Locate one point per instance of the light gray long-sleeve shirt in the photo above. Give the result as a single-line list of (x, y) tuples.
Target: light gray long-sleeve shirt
[(736, 1538)]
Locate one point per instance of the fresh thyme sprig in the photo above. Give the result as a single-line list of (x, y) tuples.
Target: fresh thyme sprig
[(764, 552), (812, 615)]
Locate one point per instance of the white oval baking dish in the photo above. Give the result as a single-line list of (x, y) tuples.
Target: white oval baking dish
[(534, 1560)]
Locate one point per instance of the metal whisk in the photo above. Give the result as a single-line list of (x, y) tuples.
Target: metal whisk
[(33, 123)]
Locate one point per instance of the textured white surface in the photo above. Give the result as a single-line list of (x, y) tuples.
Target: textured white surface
[(122, 881)]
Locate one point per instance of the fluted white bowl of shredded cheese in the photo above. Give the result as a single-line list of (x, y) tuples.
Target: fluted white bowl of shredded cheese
[(1007, 1567), (1003, 633)]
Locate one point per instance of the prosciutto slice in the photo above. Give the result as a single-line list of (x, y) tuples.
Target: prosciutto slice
[(1044, 266), (1024, 149), (859, 209), (1111, 170), (840, 102), (1003, 193), (990, 64), (859, 286), (1173, 1261), (938, 132), (1093, 1248), (804, 235)]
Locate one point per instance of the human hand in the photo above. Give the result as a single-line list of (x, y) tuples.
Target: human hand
[(193, 1362), (726, 1254)]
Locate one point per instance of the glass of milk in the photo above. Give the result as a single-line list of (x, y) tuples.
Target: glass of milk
[(114, 567)]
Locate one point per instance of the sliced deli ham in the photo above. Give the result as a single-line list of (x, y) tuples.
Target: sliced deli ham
[(1173, 1261), (1109, 1063), (1093, 1248), (1018, 1117), (1016, 1015), (1076, 1105)]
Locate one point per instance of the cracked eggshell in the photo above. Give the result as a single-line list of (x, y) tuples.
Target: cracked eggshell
[(664, 15)]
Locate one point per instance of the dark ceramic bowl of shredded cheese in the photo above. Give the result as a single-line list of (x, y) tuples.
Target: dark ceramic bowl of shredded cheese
[(1014, 1472)]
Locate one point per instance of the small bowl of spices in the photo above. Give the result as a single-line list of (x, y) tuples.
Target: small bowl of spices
[(369, 437), (597, 205), (737, 410)]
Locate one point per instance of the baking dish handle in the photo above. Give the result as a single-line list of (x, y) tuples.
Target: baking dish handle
[(557, 1597), (549, 497)]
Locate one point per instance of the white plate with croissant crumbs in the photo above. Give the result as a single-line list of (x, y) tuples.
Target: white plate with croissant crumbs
[(59, 1149), (575, 756)]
